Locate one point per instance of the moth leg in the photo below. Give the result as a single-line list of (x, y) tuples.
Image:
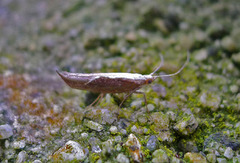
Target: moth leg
[(127, 95), (144, 95), (97, 99), (124, 99)]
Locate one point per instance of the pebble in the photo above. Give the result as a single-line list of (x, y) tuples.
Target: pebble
[(37, 161), (6, 131), (160, 156), (134, 148), (211, 157), (113, 130), (186, 124), (221, 160), (160, 125), (21, 157), (93, 125), (69, 152), (228, 153), (107, 147), (194, 157), (210, 100), (121, 158), (152, 143)]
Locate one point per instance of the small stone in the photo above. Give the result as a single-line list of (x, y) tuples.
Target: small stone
[(201, 55), (134, 148), (6, 131), (19, 144), (113, 130), (186, 124), (9, 153), (160, 156), (21, 157), (175, 160), (210, 100), (194, 157), (70, 151), (107, 147), (152, 143), (160, 124), (131, 37), (93, 125), (211, 158), (229, 44), (172, 116), (84, 135), (221, 160), (37, 161), (160, 90), (121, 158), (142, 119), (234, 88), (150, 107), (228, 153)]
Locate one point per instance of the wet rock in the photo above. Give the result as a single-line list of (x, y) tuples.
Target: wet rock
[(222, 140), (121, 158), (160, 156), (210, 100), (93, 125), (6, 131), (160, 124), (229, 153), (69, 152), (221, 160), (152, 143), (211, 157), (186, 123), (194, 157), (113, 130), (22, 156), (134, 148)]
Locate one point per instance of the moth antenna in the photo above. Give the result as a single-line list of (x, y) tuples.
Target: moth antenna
[(161, 64), (183, 66)]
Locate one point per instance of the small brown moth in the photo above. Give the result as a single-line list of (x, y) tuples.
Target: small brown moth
[(104, 83)]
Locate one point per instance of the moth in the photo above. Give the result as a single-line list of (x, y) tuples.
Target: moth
[(104, 83)]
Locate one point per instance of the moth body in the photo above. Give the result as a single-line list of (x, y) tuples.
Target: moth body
[(106, 82)]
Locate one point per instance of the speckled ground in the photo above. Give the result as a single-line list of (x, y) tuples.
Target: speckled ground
[(193, 116)]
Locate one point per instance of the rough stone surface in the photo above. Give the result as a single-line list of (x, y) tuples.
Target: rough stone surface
[(160, 156), (152, 143), (22, 156), (160, 124), (186, 124), (194, 157), (6, 131), (228, 153), (134, 148), (93, 125), (121, 158), (69, 152)]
